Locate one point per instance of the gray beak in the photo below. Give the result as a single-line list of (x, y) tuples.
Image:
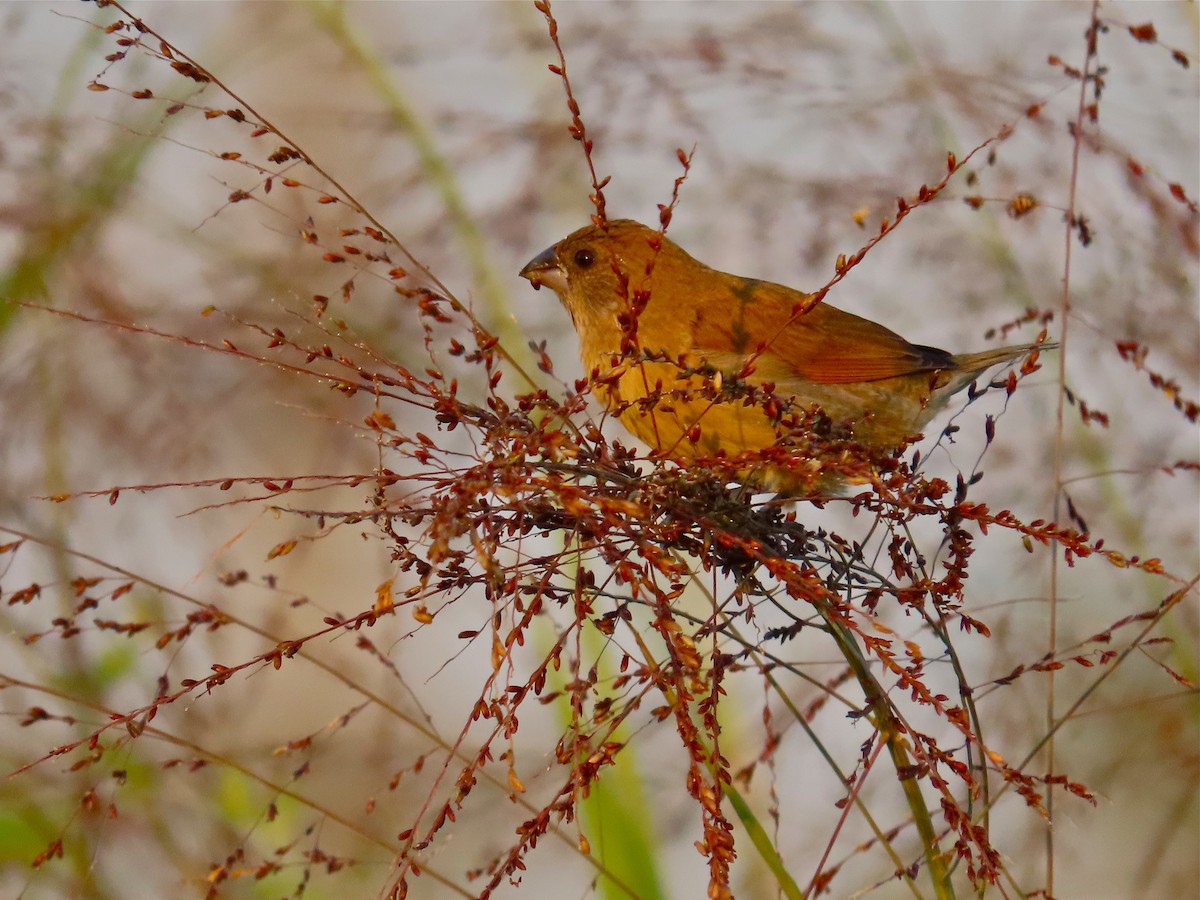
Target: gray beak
[(545, 269)]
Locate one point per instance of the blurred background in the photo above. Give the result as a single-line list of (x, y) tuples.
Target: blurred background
[(808, 121)]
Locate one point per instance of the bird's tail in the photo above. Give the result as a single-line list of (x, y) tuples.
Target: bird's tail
[(977, 362), (968, 366)]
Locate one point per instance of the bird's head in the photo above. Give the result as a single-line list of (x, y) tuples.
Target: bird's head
[(596, 269)]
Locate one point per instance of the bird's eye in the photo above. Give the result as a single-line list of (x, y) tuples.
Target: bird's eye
[(584, 258)]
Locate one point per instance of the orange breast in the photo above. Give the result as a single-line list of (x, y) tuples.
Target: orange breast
[(686, 416)]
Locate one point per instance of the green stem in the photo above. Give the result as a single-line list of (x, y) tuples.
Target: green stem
[(882, 717)]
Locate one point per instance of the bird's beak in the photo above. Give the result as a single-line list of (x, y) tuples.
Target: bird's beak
[(545, 269)]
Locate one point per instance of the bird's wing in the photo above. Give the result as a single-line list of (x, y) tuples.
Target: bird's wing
[(825, 345)]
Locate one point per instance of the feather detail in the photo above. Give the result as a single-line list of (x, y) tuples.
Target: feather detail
[(824, 345)]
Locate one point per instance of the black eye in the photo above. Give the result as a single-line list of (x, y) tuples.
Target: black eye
[(584, 258)]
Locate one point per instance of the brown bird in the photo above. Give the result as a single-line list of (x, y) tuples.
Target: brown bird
[(697, 362)]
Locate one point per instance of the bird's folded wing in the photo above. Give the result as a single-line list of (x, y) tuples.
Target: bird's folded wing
[(824, 345)]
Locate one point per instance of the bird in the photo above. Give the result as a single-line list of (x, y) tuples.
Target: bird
[(699, 363)]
